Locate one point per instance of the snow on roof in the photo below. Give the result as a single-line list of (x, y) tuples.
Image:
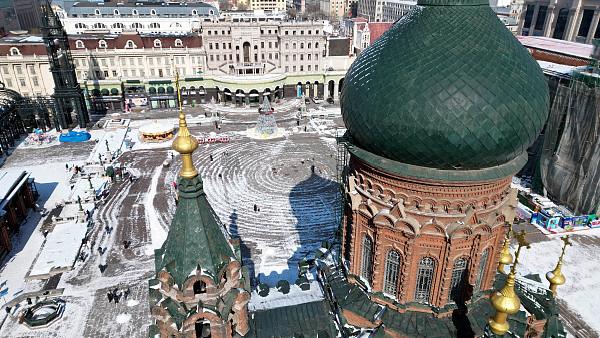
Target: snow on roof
[(155, 128), (579, 50), (60, 248), (10, 182), (556, 67), (276, 299)]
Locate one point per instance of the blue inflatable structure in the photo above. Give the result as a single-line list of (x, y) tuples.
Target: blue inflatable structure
[(75, 136)]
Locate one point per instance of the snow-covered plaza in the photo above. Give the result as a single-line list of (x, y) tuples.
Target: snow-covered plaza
[(290, 180)]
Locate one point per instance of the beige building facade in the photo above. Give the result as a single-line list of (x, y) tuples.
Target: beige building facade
[(230, 62), (571, 20)]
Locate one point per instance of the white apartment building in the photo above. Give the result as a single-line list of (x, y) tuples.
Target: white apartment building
[(384, 10), (116, 18)]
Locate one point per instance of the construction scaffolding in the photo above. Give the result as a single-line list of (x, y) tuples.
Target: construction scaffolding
[(570, 158)]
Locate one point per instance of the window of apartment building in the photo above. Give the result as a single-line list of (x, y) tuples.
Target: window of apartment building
[(31, 69), (79, 44), (286, 32), (217, 45), (210, 46), (316, 68), (301, 32), (287, 58), (114, 73), (151, 61), (276, 44), (160, 73), (35, 81), (294, 57), (105, 73), (131, 61), (294, 32), (112, 61), (4, 69), (294, 68), (308, 57), (316, 45), (103, 62), (287, 69), (212, 58), (270, 56), (301, 68), (262, 32), (130, 44), (276, 56), (134, 72), (229, 45), (269, 31), (8, 82), (317, 32), (308, 46), (102, 44), (218, 57), (301, 57), (309, 32), (14, 51), (262, 56), (208, 32), (584, 27), (178, 43), (301, 45), (287, 46), (255, 57), (223, 32), (18, 70), (316, 56), (237, 47), (270, 44), (309, 68), (262, 44), (230, 57), (294, 45), (123, 62), (224, 45), (157, 43), (22, 82), (237, 57)]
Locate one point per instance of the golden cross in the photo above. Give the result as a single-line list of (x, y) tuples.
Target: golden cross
[(520, 236), (566, 242)]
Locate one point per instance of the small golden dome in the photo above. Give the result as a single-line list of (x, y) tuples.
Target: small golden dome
[(184, 143), (505, 257), (556, 276), (506, 300)]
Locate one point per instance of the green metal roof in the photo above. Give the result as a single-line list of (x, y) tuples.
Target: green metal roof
[(302, 320), (447, 87), (196, 238)]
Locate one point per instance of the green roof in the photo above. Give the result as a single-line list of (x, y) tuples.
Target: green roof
[(196, 237), (446, 87), (301, 320)]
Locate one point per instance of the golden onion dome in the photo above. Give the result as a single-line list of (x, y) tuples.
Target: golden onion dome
[(505, 256), (506, 300), (556, 276)]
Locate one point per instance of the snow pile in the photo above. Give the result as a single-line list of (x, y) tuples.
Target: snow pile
[(123, 318), (60, 249)]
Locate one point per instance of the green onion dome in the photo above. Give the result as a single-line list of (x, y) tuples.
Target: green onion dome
[(447, 87)]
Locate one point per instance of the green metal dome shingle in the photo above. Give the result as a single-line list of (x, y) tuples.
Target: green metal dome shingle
[(447, 87)]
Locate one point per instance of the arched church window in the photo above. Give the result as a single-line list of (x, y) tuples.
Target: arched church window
[(425, 272), (459, 280), (199, 287), (482, 266), (367, 258), (202, 329), (392, 268)]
